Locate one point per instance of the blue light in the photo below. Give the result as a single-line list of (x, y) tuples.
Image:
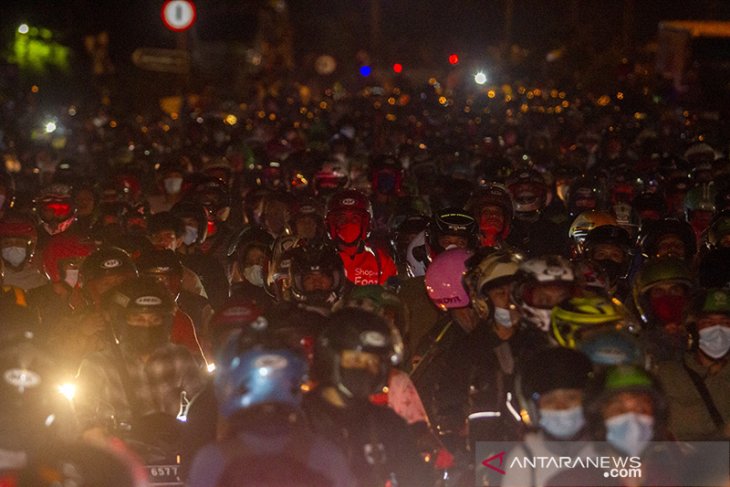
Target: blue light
[(366, 70)]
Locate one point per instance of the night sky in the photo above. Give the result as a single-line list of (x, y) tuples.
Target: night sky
[(412, 29)]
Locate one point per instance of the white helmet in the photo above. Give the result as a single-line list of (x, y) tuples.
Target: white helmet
[(418, 256), (542, 271)]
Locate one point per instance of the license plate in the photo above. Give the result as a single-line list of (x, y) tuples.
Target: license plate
[(164, 475)]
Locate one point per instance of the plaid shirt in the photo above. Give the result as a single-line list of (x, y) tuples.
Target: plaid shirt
[(157, 384)]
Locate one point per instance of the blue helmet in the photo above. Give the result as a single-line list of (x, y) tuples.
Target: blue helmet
[(258, 375), (612, 347)]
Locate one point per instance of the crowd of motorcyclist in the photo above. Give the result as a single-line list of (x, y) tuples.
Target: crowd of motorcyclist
[(356, 289)]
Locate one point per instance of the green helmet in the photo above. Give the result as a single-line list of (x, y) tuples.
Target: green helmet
[(712, 301), (659, 271)]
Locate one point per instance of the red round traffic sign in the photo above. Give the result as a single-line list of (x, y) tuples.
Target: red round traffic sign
[(178, 15)]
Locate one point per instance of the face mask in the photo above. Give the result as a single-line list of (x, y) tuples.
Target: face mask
[(562, 423), (191, 235), (540, 318), (630, 432), (71, 277), (715, 341), (143, 340), (14, 256), (669, 309), (503, 317), (254, 274), (612, 269), (173, 185), (359, 383), (349, 233)]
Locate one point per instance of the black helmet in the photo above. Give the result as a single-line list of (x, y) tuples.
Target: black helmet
[(195, 211), (608, 234), (322, 259), (214, 195), (654, 232), (586, 193), (451, 221), (159, 262), (548, 369), (140, 295), (106, 261), (358, 330)]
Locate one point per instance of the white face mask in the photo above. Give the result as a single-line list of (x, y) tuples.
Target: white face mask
[(173, 185), (503, 317), (254, 274), (71, 277), (191, 235), (630, 432), (715, 341), (562, 423), (14, 256)]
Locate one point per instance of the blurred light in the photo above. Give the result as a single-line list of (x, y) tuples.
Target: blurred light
[(398, 68), (453, 59), (230, 119), (72, 110), (23, 29), (211, 368), (68, 390), (50, 127), (480, 78), (491, 93), (365, 70), (34, 89)]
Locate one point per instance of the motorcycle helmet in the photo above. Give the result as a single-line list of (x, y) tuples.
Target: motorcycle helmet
[(64, 249), (18, 231), (578, 317), (451, 222), (54, 206), (656, 271), (322, 260), (492, 195), (546, 370), (529, 193), (551, 270), (655, 232), (342, 204), (258, 374), (445, 279), (718, 234), (491, 270), (584, 223), (356, 330)]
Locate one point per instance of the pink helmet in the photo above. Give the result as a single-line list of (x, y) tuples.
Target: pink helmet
[(444, 279)]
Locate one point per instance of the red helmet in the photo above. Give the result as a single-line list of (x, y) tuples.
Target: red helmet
[(348, 200), (62, 247), (235, 314)]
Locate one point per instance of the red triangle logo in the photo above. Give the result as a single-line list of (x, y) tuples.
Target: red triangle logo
[(488, 462)]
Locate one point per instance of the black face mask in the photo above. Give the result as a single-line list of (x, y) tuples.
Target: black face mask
[(360, 383), (143, 340), (613, 270)]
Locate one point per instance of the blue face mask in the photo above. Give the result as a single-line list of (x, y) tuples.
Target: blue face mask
[(503, 317), (630, 432), (562, 423), (191, 235)]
